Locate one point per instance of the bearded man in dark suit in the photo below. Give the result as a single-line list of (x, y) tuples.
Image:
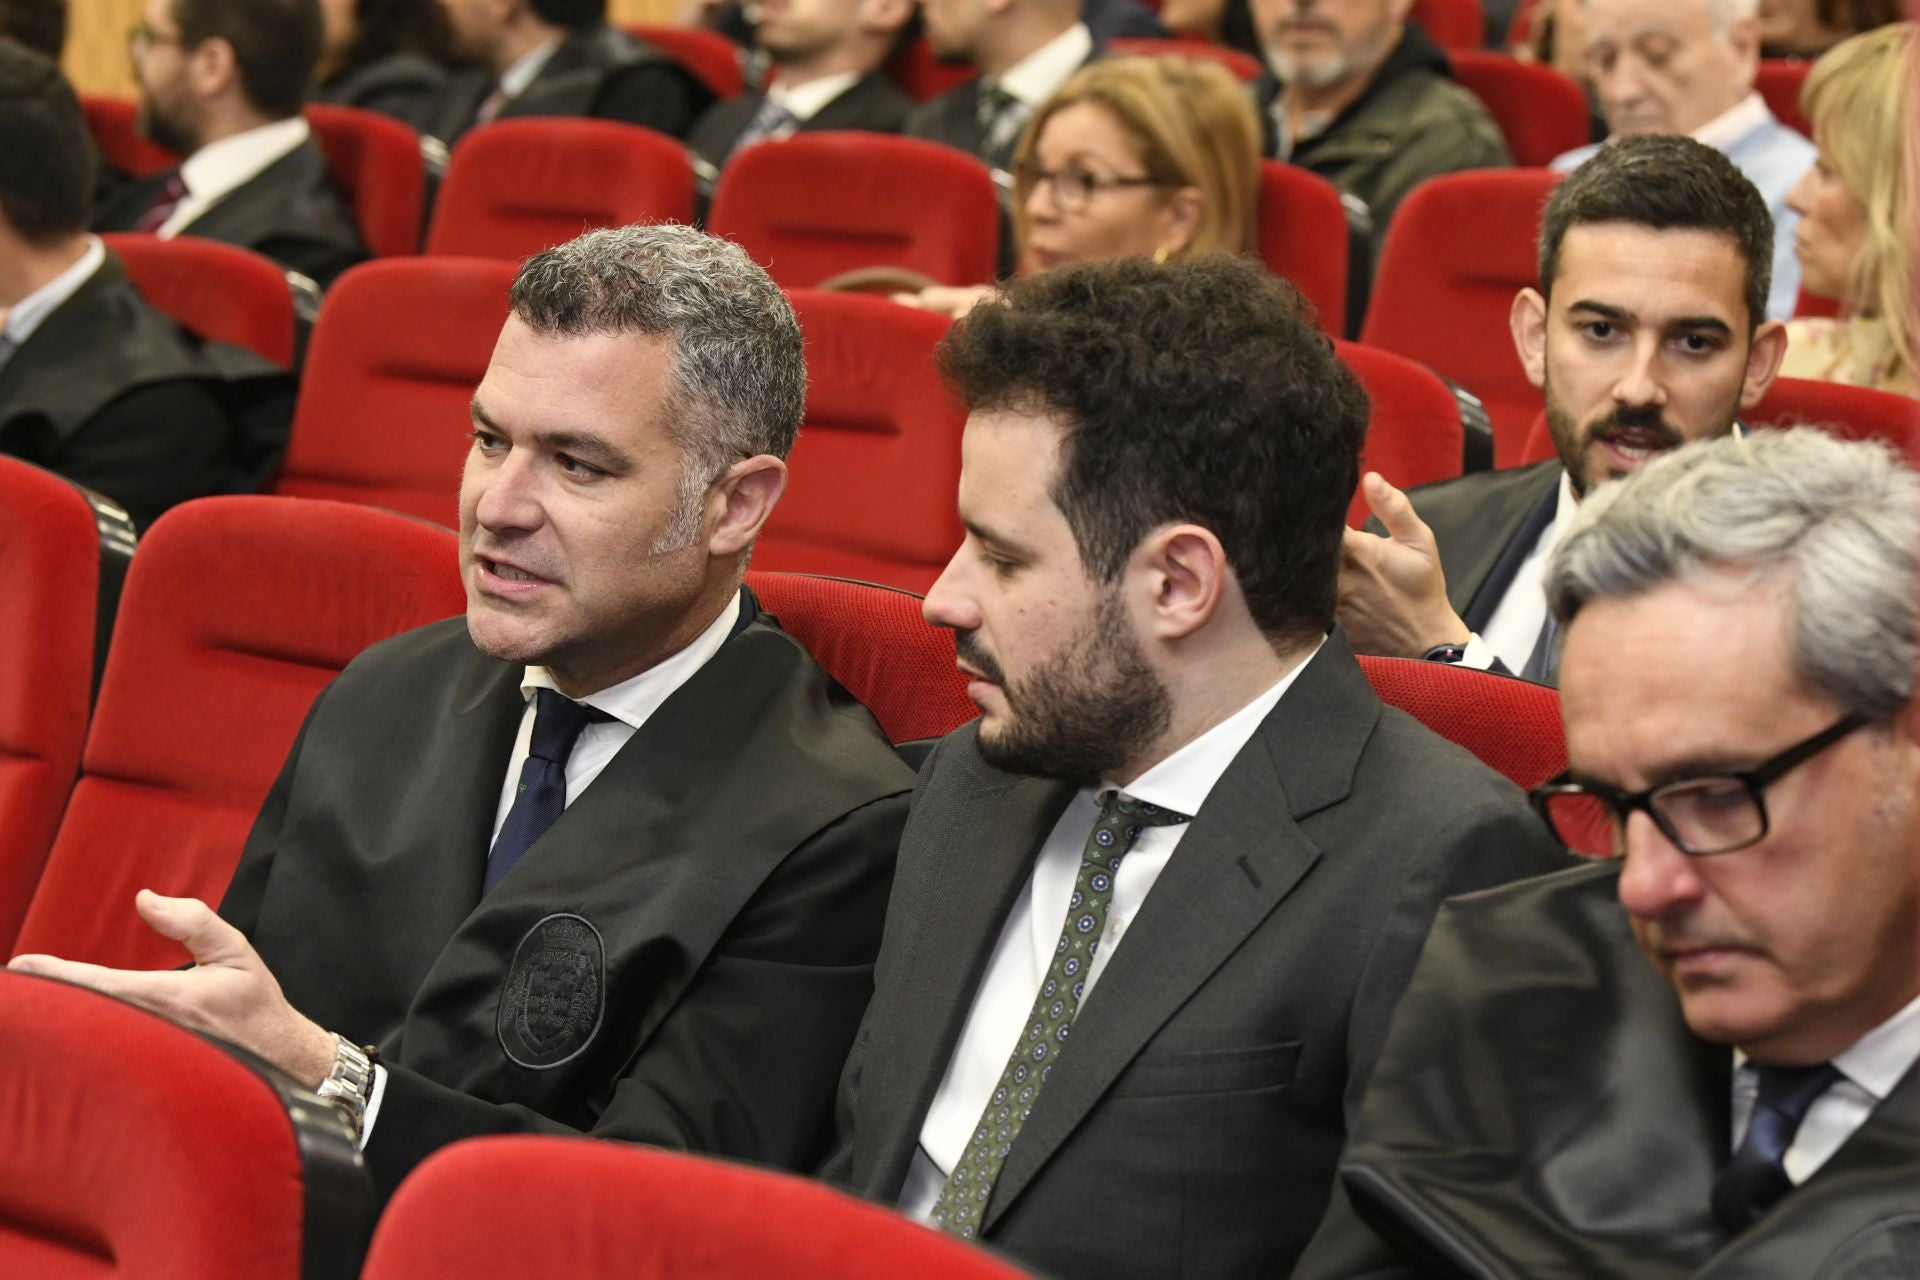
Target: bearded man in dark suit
[(610, 854)]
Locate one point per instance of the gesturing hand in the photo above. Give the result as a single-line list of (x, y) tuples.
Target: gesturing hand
[(228, 993), (1393, 595)]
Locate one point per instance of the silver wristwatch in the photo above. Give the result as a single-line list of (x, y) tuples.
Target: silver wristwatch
[(349, 1085)]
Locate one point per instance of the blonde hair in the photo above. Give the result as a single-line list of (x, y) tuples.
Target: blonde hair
[(1860, 97), (1193, 125)]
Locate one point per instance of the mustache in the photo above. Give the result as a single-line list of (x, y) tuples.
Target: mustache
[(1643, 420), (967, 645)]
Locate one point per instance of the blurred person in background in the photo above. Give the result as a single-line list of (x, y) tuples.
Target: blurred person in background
[(1856, 232), (383, 55), (1808, 28)]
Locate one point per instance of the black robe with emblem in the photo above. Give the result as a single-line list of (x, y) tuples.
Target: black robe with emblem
[(681, 959), (117, 397)]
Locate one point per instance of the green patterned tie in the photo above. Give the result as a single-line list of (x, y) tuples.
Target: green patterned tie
[(963, 1201)]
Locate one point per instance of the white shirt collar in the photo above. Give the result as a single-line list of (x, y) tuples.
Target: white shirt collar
[(1033, 79), (515, 79), (1878, 1060), (637, 697), (1735, 123), (1184, 779), (804, 101), (219, 167), (29, 313)]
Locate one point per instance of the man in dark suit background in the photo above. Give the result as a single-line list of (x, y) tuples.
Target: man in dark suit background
[(222, 83), (94, 383), (1698, 1060), (611, 854), (1025, 50), (828, 55), (558, 58), (1649, 330), (1153, 483)]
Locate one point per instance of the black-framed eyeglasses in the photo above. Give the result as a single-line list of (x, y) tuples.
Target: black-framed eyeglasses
[(1074, 187), (1714, 813)]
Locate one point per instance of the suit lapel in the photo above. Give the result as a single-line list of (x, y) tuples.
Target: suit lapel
[(1242, 856), (1512, 535)]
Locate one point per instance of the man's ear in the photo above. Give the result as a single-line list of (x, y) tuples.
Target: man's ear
[(212, 67), (745, 496), (1185, 574), (885, 17), (1763, 362), (1528, 323)]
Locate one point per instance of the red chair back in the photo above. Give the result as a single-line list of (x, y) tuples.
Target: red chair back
[(712, 59), (1541, 113), (1243, 66), (877, 467), (1779, 84), (1512, 725), (873, 640), (237, 611), (893, 202), (219, 291), (375, 161), (382, 416), (921, 76), (135, 1146), (1451, 24), (113, 122), (519, 186), (1302, 232), (1413, 433), (50, 571), (1459, 248), (577, 1207)]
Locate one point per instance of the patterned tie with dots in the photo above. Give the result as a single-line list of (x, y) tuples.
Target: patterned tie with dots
[(963, 1201)]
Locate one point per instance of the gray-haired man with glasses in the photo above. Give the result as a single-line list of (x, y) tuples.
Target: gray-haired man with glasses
[(1719, 1080)]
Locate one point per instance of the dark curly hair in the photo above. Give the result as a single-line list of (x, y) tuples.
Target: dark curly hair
[(1195, 391)]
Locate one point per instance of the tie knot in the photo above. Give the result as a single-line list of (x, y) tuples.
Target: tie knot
[(1790, 1091), (557, 722), (1118, 806)]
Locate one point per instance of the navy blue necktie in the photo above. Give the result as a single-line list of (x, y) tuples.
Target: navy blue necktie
[(557, 722), (1755, 1179)]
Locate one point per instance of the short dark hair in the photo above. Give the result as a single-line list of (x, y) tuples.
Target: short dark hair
[(276, 45), (572, 14), (1668, 183), (46, 158), (41, 25), (1199, 391)]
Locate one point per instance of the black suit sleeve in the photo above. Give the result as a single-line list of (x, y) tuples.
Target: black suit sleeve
[(655, 95), (152, 448), (1346, 1248), (795, 970)]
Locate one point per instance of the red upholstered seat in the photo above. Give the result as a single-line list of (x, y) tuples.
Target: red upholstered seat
[(1852, 413), (220, 291), (237, 611), (1540, 112), (1413, 433), (713, 59), (873, 641), (876, 471), (1451, 24), (111, 121), (524, 1206), (519, 186), (375, 161), (1459, 249), (818, 204), (137, 1148), (921, 76), (399, 348), (1779, 82), (1512, 725), (1244, 66), (1302, 235), (50, 576)]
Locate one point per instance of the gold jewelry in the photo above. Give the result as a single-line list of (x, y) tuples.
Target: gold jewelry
[(1160, 256)]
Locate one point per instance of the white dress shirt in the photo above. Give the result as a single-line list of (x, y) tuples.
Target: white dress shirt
[(1027, 941), (515, 79), (1033, 79), (805, 100), (630, 703), (1514, 628), (1735, 123), (1870, 1069), (27, 315), (212, 172)]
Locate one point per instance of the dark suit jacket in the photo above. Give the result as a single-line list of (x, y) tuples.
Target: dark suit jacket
[(402, 85), (871, 103), (117, 397), (600, 72), (682, 959), (1192, 1126), (290, 211), (1541, 1110), (1484, 525), (953, 119)]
